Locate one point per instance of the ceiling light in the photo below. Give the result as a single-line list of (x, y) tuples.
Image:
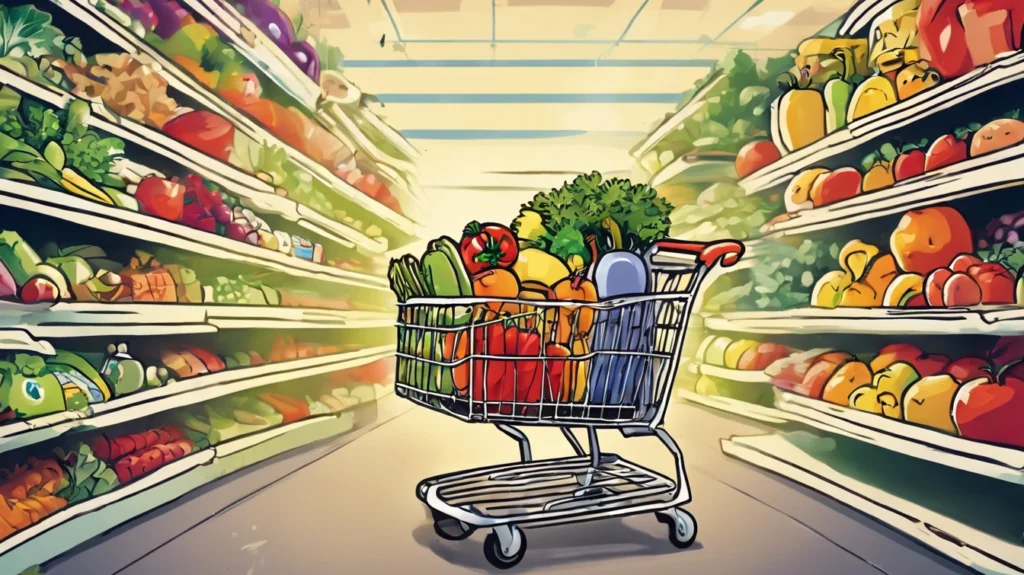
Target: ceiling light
[(768, 20)]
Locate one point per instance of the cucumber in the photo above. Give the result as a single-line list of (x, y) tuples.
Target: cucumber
[(451, 251)]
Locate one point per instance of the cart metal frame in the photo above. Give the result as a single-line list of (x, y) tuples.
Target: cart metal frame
[(640, 337)]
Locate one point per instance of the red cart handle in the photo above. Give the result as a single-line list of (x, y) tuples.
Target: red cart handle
[(726, 253)]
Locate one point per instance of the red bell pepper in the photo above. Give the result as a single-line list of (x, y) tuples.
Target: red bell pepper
[(490, 340)]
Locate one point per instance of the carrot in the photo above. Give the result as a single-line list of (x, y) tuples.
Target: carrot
[(5, 528), (455, 347), (291, 409), (50, 503), (16, 516)]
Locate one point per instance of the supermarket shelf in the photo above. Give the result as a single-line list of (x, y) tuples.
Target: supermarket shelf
[(393, 136), (76, 320), (259, 49), (735, 407), (862, 15), (972, 548), (401, 228), (738, 375), (997, 462), (79, 523), (669, 125), (258, 193), (133, 224), (180, 394), (980, 175), (989, 320), (869, 131)]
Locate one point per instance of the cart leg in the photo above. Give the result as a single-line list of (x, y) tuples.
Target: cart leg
[(524, 442), (573, 441), (682, 483), (595, 448)]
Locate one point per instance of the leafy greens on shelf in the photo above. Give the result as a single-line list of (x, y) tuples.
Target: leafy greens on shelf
[(781, 278), (25, 31)]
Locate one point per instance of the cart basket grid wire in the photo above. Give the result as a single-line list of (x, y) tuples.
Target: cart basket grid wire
[(609, 363)]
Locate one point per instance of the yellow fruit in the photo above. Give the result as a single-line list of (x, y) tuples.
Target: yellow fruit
[(872, 95), (735, 351), (829, 289), (891, 382), (860, 294), (539, 266), (865, 398), (915, 78), (855, 257), (879, 177), (881, 272), (798, 193), (802, 118), (902, 288), (929, 402)]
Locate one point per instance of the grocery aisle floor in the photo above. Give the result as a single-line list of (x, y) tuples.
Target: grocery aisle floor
[(353, 510)]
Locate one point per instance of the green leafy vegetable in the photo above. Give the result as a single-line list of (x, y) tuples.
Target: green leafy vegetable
[(87, 476), (26, 31)]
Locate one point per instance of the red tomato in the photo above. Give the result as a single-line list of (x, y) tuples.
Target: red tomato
[(486, 246)]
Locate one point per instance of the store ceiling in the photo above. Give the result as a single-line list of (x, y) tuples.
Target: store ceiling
[(514, 94)]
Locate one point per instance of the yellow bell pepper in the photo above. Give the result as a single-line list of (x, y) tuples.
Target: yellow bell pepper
[(798, 116)]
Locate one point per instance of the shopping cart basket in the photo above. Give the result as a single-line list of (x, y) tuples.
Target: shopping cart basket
[(606, 364)]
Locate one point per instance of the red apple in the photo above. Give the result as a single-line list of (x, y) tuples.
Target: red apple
[(908, 165), (894, 352), (838, 185), (991, 411), (964, 262), (961, 290), (995, 282), (933, 285), (945, 151), (755, 156), (917, 301), (969, 368), (929, 364)]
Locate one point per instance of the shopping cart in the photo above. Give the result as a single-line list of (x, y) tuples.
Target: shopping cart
[(602, 365)]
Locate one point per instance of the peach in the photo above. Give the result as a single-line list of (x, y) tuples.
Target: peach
[(996, 284), (929, 238), (798, 194), (818, 377), (881, 274), (929, 364), (844, 381), (964, 262), (961, 290), (933, 286)]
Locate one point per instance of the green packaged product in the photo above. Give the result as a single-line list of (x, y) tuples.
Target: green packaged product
[(29, 389)]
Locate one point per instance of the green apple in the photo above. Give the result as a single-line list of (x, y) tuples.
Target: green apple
[(929, 402), (891, 382), (715, 354)]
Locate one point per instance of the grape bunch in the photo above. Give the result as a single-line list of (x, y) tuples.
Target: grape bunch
[(1006, 229)]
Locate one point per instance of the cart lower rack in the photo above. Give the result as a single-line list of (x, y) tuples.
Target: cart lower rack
[(571, 364)]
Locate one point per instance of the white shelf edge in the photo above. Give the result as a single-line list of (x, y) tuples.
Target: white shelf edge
[(1003, 71), (989, 320), (232, 179), (77, 524), (974, 549), (669, 125), (988, 173), (735, 407), (179, 394), (32, 198), (88, 319), (737, 375), (179, 80), (1003, 463)]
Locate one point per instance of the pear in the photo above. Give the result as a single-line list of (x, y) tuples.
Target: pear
[(828, 292), (865, 398), (892, 382), (715, 354)]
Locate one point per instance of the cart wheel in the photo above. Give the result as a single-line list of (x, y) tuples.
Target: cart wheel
[(505, 558), (451, 529), (682, 527)]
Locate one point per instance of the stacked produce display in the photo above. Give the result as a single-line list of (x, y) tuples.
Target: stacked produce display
[(879, 196), (191, 248)]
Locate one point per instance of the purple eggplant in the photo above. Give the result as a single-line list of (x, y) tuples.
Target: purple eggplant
[(170, 17), (142, 11), (306, 58), (272, 20)]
